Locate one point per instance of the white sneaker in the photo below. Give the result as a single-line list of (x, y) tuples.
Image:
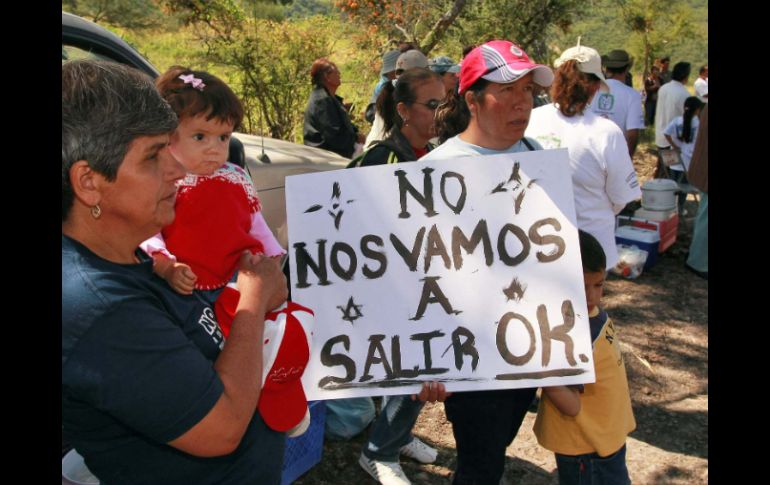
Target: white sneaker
[(417, 450), (387, 473)]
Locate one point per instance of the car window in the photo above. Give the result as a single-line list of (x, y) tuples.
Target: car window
[(71, 53)]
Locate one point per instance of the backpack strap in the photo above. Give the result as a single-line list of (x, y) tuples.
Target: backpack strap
[(527, 143), (392, 156)]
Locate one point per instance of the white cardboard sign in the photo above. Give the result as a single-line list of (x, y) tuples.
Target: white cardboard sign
[(466, 271)]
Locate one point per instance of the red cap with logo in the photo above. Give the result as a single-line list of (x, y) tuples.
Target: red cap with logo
[(502, 62)]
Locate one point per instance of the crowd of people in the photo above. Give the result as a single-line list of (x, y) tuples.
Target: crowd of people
[(145, 177)]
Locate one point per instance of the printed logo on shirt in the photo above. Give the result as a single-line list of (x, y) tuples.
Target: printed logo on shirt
[(632, 181), (606, 101), (209, 323)]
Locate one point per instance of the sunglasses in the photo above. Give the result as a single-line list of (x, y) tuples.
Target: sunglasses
[(431, 105)]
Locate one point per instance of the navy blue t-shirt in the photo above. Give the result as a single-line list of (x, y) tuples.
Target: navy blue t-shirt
[(137, 372)]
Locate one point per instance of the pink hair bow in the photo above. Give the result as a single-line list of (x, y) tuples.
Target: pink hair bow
[(197, 83)]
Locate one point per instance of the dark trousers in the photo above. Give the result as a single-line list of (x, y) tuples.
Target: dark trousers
[(484, 423), (649, 113)]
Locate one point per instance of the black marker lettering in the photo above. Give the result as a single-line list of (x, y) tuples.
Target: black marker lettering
[(502, 344), (425, 198), (519, 233), (409, 257), (375, 345), (538, 239), (457, 207), (345, 274), (435, 246), (480, 234), (560, 333), (330, 360), (375, 255), (304, 260), (465, 347), (426, 338), (431, 293)]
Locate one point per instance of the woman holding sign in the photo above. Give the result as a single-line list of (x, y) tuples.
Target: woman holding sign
[(490, 114), (407, 107)]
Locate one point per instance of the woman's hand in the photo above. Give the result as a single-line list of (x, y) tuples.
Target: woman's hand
[(432, 391), (261, 282)]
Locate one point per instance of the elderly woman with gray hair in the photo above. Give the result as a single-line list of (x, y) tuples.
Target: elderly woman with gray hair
[(327, 122), (150, 393)]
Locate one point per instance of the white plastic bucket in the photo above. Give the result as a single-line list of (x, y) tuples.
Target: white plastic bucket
[(74, 470), (659, 194)]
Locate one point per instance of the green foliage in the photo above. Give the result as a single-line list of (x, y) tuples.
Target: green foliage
[(307, 8), (423, 23), (131, 14), (267, 61), (521, 21), (645, 28)]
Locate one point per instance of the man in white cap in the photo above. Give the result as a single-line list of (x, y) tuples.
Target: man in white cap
[(407, 60), (622, 105)]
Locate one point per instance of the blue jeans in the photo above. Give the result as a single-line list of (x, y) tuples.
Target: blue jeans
[(591, 469), (699, 247), (393, 427)]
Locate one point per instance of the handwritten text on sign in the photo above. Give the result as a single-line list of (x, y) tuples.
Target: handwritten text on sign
[(465, 271)]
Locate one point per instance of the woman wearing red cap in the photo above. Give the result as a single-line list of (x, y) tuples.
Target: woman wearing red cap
[(488, 117)]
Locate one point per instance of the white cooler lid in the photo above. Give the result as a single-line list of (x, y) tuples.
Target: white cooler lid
[(637, 234)]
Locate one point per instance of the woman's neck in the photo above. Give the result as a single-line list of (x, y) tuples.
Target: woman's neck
[(332, 89), (108, 244), (414, 139), (475, 136)]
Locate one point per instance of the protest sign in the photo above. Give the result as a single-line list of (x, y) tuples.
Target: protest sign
[(466, 271)]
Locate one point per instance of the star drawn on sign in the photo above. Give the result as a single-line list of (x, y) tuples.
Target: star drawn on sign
[(351, 312), (336, 205), (514, 184), (515, 290)]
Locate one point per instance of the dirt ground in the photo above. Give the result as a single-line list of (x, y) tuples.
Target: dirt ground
[(662, 318)]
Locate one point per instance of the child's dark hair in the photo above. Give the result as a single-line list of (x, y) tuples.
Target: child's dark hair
[(591, 253), (204, 94), (453, 116), (405, 91), (691, 107)]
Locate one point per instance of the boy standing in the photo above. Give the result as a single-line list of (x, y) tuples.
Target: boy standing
[(587, 431)]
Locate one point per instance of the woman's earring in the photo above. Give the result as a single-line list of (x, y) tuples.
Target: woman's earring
[(96, 211)]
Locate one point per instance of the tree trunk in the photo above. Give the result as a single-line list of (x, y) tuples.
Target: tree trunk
[(439, 29)]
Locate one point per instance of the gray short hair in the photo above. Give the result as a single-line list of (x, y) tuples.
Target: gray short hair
[(105, 106)]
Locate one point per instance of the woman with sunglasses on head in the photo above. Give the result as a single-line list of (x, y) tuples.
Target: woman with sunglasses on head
[(408, 109), (407, 106), (489, 116)]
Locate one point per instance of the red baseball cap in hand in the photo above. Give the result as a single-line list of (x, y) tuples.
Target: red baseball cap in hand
[(286, 351)]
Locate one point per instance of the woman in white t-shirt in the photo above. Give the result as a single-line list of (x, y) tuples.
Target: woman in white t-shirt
[(681, 133), (603, 176)]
